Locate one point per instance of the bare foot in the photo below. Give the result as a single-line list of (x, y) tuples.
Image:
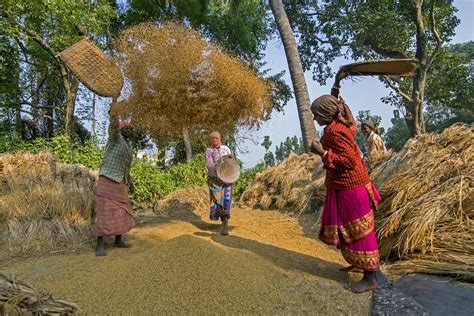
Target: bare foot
[(99, 249), (225, 227), (100, 252), (351, 269), (362, 286), (122, 244)]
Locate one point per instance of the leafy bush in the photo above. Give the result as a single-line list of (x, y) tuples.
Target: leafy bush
[(152, 182), (87, 154)]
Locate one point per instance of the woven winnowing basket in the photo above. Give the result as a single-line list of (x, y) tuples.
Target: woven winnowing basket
[(392, 67), (93, 68)]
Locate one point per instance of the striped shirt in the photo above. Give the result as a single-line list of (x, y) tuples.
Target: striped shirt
[(117, 157)]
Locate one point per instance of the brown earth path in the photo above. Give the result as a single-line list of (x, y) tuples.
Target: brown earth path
[(270, 263)]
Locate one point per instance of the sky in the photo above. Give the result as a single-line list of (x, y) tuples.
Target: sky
[(364, 94)]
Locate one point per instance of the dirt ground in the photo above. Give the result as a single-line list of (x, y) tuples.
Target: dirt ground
[(270, 263)]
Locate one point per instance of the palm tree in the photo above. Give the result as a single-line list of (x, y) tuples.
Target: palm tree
[(308, 129)]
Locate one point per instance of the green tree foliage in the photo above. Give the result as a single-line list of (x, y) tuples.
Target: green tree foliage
[(381, 29), (35, 32), (240, 27), (397, 135), (291, 144), (268, 158)]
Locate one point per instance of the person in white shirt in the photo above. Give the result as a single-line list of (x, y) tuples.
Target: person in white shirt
[(220, 193), (375, 145)]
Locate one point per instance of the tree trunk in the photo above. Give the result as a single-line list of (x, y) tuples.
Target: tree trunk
[(93, 132), (71, 85), (18, 121), (308, 129), (415, 118), (36, 98), (187, 145), (50, 121)]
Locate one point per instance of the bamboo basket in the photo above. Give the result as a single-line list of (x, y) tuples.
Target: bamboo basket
[(93, 68)]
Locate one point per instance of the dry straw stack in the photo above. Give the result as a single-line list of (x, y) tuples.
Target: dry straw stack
[(18, 298), (184, 203), (295, 185), (44, 205), (427, 211)]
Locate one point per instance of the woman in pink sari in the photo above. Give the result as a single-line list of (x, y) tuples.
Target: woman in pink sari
[(351, 198)]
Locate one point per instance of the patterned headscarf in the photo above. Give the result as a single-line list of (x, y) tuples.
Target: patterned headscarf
[(330, 108)]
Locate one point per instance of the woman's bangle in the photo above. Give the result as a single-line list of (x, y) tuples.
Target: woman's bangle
[(325, 153)]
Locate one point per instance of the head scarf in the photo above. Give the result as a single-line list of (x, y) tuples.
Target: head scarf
[(370, 123), (330, 108)]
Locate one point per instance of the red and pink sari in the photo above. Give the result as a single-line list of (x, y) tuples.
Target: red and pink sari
[(347, 222)]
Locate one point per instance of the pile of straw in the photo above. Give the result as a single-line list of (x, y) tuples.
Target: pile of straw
[(427, 211), (18, 298), (183, 203), (45, 205), (295, 185)]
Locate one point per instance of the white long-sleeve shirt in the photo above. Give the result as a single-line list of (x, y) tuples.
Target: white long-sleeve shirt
[(213, 155)]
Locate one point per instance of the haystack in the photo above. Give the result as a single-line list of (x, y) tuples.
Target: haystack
[(45, 205), (295, 185), (183, 204), (18, 298), (427, 212)]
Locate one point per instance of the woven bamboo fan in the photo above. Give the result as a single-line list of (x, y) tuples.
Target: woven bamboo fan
[(93, 68), (392, 67)]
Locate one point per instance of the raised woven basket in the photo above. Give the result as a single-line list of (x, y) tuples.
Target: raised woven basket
[(93, 68), (391, 67)]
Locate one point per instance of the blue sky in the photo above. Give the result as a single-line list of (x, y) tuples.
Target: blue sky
[(364, 94)]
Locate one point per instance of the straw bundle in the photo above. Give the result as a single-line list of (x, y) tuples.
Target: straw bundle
[(427, 210), (18, 298), (183, 203), (295, 185), (44, 205), (93, 68)]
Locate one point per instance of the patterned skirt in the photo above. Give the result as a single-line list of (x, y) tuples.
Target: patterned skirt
[(114, 214), (347, 222), (220, 196)]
